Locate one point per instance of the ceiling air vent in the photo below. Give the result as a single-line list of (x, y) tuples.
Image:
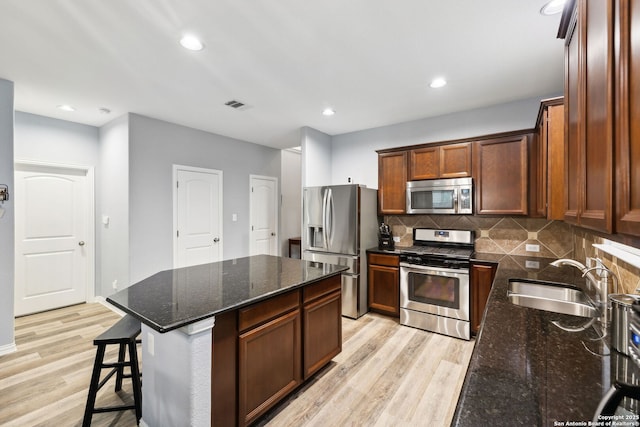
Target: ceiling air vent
[(237, 105)]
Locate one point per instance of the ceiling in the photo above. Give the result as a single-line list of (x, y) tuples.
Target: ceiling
[(370, 60)]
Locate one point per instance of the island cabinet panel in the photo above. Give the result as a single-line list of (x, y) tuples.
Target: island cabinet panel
[(224, 361), (259, 313), (628, 118), (482, 276), (500, 171), (269, 358), (392, 182), (384, 284), (590, 115), (322, 332)]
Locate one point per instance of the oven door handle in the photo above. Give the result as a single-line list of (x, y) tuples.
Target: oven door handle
[(438, 270)]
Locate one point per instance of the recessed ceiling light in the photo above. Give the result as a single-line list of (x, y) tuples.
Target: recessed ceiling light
[(552, 7), (436, 83), (65, 107), (191, 42), (328, 112)]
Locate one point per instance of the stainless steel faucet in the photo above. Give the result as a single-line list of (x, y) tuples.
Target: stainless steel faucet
[(600, 281)]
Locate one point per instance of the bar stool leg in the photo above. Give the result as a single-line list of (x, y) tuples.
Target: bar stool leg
[(120, 372), (135, 379), (93, 387)]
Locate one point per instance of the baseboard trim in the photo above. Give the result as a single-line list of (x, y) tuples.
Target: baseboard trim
[(103, 301), (8, 348)]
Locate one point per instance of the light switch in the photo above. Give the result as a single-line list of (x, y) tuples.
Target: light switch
[(234, 217), (105, 219)]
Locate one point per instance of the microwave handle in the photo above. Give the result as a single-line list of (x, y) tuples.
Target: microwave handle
[(455, 200)]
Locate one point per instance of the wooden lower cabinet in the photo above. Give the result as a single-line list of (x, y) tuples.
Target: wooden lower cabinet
[(322, 319), (384, 284), (482, 276), (262, 352), (269, 359)]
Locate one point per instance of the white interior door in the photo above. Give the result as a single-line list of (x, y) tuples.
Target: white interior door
[(197, 216), (54, 237), (264, 215)]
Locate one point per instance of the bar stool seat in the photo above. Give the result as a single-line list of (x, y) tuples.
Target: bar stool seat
[(123, 333)]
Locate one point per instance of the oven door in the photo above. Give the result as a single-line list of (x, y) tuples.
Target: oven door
[(434, 290)]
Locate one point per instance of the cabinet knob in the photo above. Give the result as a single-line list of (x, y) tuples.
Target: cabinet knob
[(81, 243), (216, 240)]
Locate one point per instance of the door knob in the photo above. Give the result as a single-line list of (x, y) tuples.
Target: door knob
[(81, 243), (216, 240)]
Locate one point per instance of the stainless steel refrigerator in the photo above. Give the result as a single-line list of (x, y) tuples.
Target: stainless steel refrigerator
[(339, 223)]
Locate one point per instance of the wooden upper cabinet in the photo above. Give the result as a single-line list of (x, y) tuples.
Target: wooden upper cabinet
[(392, 182), (424, 163), (455, 160), (501, 175), (550, 160), (589, 115), (627, 62), (440, 161)]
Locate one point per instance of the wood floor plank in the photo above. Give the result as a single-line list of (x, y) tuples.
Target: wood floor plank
[(386, 375)]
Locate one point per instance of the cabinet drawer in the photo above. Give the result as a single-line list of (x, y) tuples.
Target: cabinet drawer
[(388, 260), (261, 312), (321, 288)]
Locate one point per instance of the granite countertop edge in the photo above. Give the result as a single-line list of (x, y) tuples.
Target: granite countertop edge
[(170, 326)]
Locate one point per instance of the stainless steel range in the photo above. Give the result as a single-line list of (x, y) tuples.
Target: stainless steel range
[(434, 282)]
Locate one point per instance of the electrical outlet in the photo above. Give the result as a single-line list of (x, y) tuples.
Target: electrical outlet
[(532, 248), (150, 344), (534, 265), (115, 284)]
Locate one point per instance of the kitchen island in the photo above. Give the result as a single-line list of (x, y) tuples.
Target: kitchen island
[(525, 370), (223, 342)]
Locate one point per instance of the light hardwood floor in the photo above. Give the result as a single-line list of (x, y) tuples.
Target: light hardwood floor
[(386, 375)]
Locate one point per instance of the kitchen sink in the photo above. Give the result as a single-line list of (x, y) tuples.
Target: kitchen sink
[(551, 296)]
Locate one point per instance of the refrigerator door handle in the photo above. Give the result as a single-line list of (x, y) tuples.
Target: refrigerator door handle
[(329, 219), (325, 201)]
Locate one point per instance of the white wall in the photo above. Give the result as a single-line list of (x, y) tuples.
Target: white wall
[(154, 146), (113, 202), (7, 222), (291, 198), (48, 140), (354, 154), (316, 157)]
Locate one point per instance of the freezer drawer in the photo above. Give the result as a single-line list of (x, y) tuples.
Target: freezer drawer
[(351, 261)]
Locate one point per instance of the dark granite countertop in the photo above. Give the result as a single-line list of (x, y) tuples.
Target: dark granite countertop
[(174, 298), (524, 369)]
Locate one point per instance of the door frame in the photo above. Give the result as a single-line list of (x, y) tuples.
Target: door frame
[(175, 169), (90, 226), (276, 206)]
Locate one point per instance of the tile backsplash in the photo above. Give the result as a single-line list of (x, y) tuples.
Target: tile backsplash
[(499, 235), (511, 235)]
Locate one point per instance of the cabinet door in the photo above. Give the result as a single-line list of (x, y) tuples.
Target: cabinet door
[(269, 365), (455, 160), (501, 175), (628, 119), (589, 77), (573, 157), (384, 289), (481, 280), (322, 320), (424, 163), (392, 175), (555, 162), (598, 115)]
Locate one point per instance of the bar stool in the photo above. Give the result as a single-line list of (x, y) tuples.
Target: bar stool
[(123, 333)]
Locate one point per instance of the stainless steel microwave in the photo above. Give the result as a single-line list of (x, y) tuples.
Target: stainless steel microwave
[(440, 196)]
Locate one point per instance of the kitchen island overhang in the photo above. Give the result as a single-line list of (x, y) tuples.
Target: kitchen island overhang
[(179, 310)]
